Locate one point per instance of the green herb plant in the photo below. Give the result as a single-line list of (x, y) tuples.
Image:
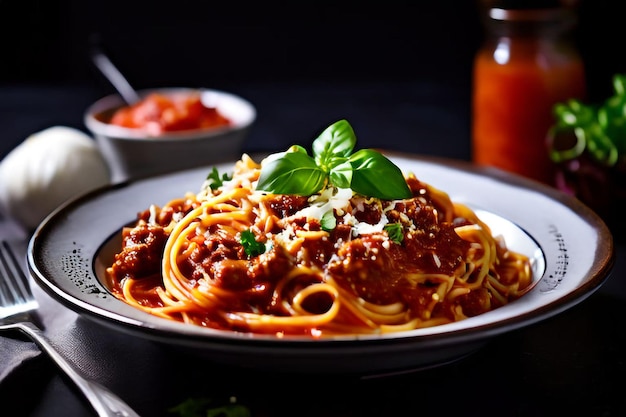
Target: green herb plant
[(333, 164), (599, 131)]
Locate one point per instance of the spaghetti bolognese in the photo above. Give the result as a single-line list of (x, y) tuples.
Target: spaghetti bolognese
[(342, 257)]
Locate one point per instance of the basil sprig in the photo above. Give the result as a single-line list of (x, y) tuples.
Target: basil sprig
[(366, 171)]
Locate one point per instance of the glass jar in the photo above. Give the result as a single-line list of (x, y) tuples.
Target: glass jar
[(526, 65)]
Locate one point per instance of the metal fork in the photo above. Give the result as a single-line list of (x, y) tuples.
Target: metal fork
[(16, 305)]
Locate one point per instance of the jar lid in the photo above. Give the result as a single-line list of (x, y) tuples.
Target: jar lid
[(536, 15), (527, 4)]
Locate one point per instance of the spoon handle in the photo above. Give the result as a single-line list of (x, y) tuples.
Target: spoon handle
[(114, 76)]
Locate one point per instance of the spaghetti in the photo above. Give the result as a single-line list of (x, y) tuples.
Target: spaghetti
[(236, 258)]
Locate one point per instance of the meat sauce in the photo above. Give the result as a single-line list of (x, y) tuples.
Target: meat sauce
[(367, 265)]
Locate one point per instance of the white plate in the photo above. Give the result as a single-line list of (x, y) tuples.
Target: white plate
[(570, 247)]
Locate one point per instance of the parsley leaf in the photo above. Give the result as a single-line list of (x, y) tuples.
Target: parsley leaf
[(394, 230), (214, 179), (250, 245)]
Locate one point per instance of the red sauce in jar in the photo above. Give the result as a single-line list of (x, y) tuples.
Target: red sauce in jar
[(160, 113), (523, 70)]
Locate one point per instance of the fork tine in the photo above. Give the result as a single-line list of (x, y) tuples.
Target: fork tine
[(14, 287)]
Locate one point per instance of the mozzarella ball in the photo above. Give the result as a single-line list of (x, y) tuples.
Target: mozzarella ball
[(47, 169)]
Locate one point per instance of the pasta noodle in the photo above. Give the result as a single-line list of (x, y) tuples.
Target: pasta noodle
[(189, 261)]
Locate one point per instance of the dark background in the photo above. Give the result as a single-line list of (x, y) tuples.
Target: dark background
[(190, 42), (314, 56), (208, 43)]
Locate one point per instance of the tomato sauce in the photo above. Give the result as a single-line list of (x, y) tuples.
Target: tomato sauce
[(160, 113), (517, 81)]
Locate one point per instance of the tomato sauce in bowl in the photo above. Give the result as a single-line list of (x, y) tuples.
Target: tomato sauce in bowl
[(169, 129), (158, 113)]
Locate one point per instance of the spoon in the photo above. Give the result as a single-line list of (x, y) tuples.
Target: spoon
[(113, 75)]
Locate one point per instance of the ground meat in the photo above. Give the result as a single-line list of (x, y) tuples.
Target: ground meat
[(142, 252)]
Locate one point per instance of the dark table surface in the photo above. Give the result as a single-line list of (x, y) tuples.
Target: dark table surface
[(572, 362)]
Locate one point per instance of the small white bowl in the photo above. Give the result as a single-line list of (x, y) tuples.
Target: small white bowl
[(133, 153)]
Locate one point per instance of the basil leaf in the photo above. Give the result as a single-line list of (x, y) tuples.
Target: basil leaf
[(293, 173), (366, 172), (341, 175), (278, 155), (376, 176), (297, 148), (334, 144)]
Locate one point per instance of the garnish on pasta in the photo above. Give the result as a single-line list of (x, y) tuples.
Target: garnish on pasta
[(336, 243)]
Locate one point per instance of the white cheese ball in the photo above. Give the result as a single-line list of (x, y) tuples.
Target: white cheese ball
[(47, 169)]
